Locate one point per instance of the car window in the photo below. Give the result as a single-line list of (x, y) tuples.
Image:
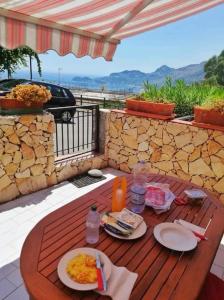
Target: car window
[(65, 93), (57, 92), (9, 84)]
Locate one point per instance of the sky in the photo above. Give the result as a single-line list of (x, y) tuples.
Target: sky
[(188, 41)]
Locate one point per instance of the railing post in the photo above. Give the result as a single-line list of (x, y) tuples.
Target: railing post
[(97, 128), (81, 100)]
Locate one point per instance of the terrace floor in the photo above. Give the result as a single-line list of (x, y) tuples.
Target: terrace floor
[(18, 217)]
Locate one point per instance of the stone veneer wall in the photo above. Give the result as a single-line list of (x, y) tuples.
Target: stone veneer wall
[(180, 150), (26, 154), (27, 159)]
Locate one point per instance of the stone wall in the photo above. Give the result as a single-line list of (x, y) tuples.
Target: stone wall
[(27, 159), (26, 154), (75, 166), (180, 150)]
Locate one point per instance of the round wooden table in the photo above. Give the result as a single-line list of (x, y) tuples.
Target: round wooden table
[(162, 273)]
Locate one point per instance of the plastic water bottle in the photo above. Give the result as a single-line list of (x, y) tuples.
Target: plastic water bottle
[(138, 188), (92, 225)]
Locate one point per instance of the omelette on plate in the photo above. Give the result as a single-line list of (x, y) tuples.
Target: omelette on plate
[(82, 268)]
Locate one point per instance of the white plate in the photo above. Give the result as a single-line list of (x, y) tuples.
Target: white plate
[(138, 232), (175, 237), (65, 278)]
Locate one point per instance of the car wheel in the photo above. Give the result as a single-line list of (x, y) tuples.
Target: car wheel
[(66, 116)]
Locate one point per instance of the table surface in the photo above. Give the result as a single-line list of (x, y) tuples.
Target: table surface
[(163, 273)]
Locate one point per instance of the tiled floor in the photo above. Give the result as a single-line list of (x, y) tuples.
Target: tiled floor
[(18, 217)]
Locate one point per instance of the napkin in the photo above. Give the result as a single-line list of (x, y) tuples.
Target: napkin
[(169, 197), (120, 283), (191, 227)]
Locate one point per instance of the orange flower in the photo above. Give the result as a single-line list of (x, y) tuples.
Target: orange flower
[(30, 93)]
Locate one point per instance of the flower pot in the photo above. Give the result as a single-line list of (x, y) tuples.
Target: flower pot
[(203, 115), (14, 107), (165, 109)]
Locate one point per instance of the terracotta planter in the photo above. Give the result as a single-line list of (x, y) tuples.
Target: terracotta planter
[(15, 107), (165, 109), (202, 115)]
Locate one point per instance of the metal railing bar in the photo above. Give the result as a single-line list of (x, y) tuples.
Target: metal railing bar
[(83, 129)]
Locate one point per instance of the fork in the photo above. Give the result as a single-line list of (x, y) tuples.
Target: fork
[(104, 277)]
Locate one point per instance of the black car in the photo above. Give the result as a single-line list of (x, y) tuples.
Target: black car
[(61, 97)]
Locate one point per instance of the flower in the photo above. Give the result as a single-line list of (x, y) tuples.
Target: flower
[(30, 93)]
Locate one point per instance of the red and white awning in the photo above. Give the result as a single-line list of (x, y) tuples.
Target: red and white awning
[(87, 27)]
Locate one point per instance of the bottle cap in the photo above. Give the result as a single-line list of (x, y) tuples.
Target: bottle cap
[(94, 207), (141, 161)]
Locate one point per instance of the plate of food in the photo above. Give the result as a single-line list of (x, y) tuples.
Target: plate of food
[(77, 268), (124, 225)]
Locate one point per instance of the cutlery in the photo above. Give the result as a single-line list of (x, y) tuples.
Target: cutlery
[(99, 274), (101, 278), (200, 236)]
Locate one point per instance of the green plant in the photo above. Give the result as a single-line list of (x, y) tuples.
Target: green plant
[(153, 94), (11, 60), (214, 104), (184, 96)]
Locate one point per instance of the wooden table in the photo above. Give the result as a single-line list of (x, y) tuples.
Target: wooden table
[(163, 274)]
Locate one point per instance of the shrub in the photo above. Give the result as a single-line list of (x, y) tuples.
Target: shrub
[(184, 96)]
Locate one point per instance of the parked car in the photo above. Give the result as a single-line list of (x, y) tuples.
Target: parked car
[(61, 97)]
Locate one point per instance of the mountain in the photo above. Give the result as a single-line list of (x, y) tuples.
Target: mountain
[(133, 80)]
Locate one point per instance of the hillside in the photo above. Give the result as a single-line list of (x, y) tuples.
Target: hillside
[(133, 80)]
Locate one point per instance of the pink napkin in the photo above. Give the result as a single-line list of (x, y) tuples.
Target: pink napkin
[(120, 283)]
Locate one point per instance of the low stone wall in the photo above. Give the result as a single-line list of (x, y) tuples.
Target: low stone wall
[(26, 154), (27, 159), (67, 169), (180, 150)]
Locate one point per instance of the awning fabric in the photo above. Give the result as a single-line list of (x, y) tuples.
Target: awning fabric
[(87, 27)]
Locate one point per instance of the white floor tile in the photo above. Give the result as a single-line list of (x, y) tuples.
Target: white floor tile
[(7, 225), (6, 251), (6, 270), (16, 263), (6, 288), (15, 278), (217, 270), (19, 294), (219, 258)]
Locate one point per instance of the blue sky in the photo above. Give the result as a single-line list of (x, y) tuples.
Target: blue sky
[(191, 40)]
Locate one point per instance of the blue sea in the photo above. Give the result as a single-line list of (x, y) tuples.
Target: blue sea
[(74, 81)]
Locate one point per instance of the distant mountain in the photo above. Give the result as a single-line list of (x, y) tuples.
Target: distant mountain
[(133, 80)]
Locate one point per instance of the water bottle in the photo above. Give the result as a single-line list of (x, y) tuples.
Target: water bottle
[(92, 225), (138, 188)]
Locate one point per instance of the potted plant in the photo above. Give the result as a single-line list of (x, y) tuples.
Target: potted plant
[(25, 99), (210, 112), (152, 100), (153, 106)]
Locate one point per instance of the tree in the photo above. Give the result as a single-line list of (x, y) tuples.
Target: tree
[(27, 51), (214, 70), (11, 60)]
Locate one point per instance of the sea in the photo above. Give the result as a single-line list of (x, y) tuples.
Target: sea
[(71, 81)]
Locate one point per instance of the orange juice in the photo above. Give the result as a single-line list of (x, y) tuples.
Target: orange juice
[(119, 194)]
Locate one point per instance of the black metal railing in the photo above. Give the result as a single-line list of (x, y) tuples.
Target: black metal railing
[(77, 129), (102, 101)]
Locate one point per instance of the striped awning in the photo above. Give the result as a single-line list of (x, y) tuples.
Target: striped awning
[(87, 27)]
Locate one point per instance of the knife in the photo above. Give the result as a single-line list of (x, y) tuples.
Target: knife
[(99, 273), (197, 234), (101, 278)]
